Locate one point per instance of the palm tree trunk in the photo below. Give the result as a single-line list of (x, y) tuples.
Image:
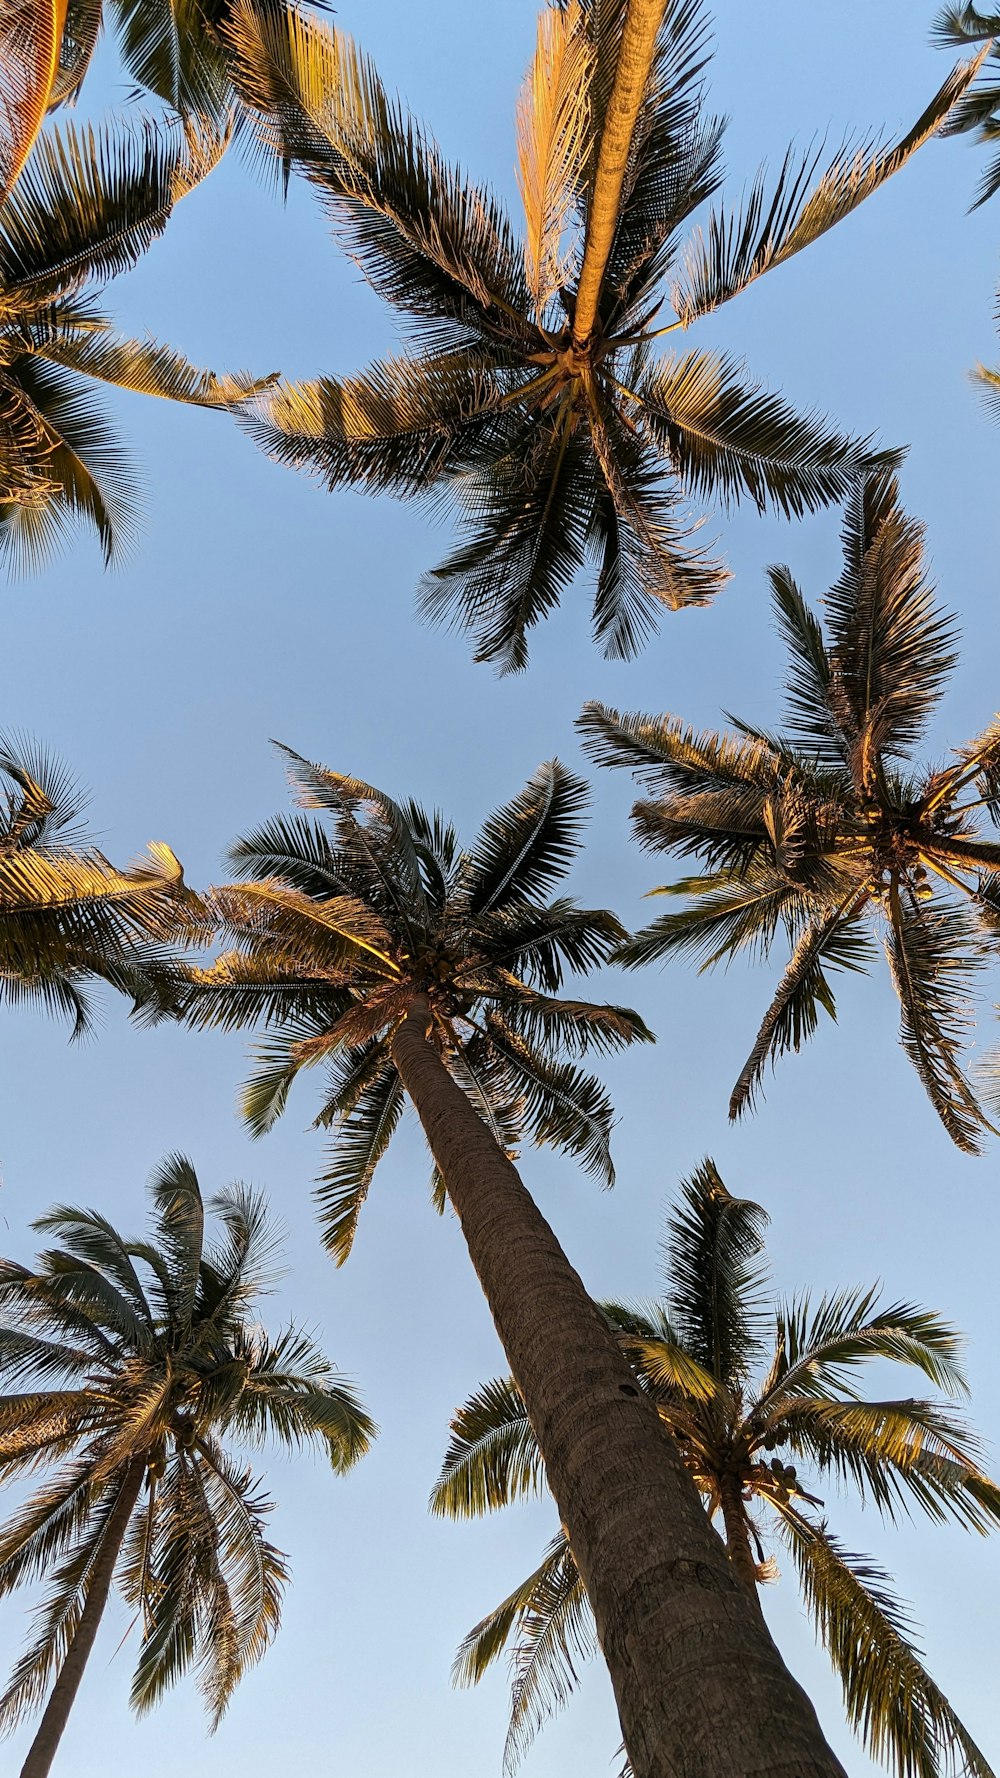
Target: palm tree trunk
[(635, 56), (701, 1689), (738, 1537), (43, 1748)]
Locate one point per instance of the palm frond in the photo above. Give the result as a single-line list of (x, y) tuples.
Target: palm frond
[(890, 1698), (737, 248), (526, 846), (809, 716), (399, 427), (528, 516), (817, 1349), (363, 1137), (29, 54), (712, 1262), (728, 437), (435, 247), (492, 1457), (553, 137), (840, 941), (561, 1104), (934, 957), (550, 1618), (891, 648), (88, 206)]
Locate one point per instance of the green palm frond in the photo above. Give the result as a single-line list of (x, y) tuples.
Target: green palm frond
[(550, 1618), (977, 110), (493, 1456), (431, 245), (736, 249), (362, 1139), (526, 846), (817, 1349), (88, 206), (809, 716), (293, 1394), (399, 428), (890, 647), (890, 1698), (57, 1618), (934, 958), (727, 915), (902, 1453), (729, 437), (712, 1259), (562, 1105), (525, 539), (840, 942)]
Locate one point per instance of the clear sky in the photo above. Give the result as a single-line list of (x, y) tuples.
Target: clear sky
[(255, 606)]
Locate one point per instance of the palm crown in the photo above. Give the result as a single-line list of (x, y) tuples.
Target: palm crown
[(532, 389), (137, 1365), (68, 916), (746, 1407), (337, 932), (87, 206), (829, 833)]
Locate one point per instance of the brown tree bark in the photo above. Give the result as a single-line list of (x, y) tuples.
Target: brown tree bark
[(701, 1689), (55, 1716), (642, 27)]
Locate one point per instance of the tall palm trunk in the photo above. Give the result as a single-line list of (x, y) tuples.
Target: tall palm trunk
[(638, 44), (43, 1748), (701, 1689)]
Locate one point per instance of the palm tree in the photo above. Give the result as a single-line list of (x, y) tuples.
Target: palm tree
[(531, 387), (978, 110), (412, 966), (87, 206), (744, 1409), (137, 1364), (67, 916), (828, 834)]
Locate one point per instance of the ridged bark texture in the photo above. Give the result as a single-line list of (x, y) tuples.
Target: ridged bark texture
[(701, 1689), (638, 44), (55, 1716)]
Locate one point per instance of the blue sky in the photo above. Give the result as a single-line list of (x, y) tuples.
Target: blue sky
[(255, 606)]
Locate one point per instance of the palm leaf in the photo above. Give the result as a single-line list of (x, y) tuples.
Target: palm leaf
[(891, 648), (363, 1137), (713, 1269), (738, 248), (889, 1696), (809, 718), (840, 941), (726, 436), (933, 958), (553, 137), (527, 845), (434, 246), (30, 35), (89, 205), (492, 1457), (529, 511)]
